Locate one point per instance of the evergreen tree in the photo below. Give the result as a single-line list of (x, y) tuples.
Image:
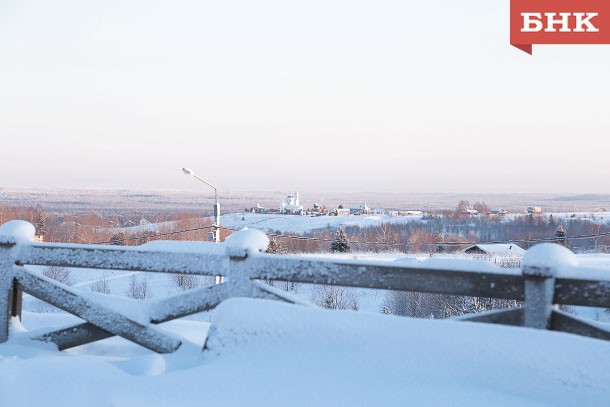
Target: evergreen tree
[(41, 221), (118, 239), (552, 220), (439, 238), (560, 236), (277, 247), (340, 243)]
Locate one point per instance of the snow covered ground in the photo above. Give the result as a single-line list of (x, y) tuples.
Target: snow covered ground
[(302, 224), (268, 353)]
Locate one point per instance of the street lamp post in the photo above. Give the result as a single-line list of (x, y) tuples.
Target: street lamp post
[(216, 225)]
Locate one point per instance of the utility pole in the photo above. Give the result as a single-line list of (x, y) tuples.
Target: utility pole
[(215, 234)]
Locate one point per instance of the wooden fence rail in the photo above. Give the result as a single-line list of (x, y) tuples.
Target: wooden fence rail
[(548, 277)]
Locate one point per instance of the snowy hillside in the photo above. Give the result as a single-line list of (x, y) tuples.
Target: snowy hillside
[(302, 224)]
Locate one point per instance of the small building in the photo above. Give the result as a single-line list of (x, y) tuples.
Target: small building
[(498, 212), (257, 209), (361, 209), (318, 209), (408, 213), (340, 211), (496, 249), (534, 210)]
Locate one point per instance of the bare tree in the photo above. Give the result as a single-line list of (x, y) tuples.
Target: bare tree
[(385, 233), (102, 285), (185, 282), (335, 297), (138, 288), (59, 274)]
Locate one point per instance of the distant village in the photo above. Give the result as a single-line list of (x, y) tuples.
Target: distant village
[(291, 205)]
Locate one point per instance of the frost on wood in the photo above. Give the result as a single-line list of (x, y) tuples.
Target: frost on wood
[(17, 231), (246, 241), (539, 266), (124, 258), (72, 301)]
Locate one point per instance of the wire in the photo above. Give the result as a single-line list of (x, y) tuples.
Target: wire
[(176, 232)]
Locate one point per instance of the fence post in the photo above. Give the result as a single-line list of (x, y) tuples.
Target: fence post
[(16, 300), (11, 233), (539, 291), (6, 289), (539, 267)]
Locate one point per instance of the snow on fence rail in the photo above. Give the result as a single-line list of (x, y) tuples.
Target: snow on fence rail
[(549, 275)]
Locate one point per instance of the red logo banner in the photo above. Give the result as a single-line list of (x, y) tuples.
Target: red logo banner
[(559, 22)]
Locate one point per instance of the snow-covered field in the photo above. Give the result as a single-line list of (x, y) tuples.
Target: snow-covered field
[(302, 224), (268, 353)]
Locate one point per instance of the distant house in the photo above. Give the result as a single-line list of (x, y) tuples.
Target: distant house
[(497, 249), (378, 211), (257, 209), (340, 211), (498, 212), (406, 213), (361, 209), (318, 209), (534, 210), (291, 205)]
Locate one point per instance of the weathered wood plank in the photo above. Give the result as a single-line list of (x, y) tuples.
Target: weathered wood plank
[(564, 322), (6, 289), (390, 277), (117, 258), (68, 300), (167, 309), (539, 293), (505, 317), (16, 300), (587, 293), (79, 334), (190, 302)]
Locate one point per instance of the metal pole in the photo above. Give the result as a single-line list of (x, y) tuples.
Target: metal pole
[(216, 225), (216, 217)]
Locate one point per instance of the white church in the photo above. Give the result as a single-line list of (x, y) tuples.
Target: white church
[(291, 205)]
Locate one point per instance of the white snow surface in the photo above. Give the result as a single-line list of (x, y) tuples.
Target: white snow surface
[(17, 231), (303, 224), (246, 240), (551, 255), (270, 353)]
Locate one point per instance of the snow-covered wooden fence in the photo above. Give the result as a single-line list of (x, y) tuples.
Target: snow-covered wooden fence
[(549, 275)]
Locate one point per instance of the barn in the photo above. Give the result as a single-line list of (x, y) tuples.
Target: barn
[(496, 249)]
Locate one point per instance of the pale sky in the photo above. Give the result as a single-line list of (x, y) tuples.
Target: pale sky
[(284, 95)]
